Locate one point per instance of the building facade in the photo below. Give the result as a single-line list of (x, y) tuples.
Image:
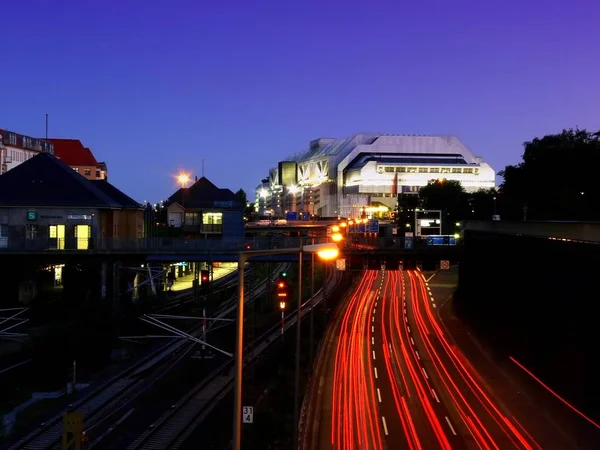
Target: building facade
[(80, 158), (16, 149), (364, 173), (204, 210), (44, 204)]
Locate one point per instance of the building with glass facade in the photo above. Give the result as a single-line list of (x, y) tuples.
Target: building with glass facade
[(364, 173)]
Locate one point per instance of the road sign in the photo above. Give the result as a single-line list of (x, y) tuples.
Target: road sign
[(409, 240), (340, 264), (373, 226), (248, 414), (444, 264)]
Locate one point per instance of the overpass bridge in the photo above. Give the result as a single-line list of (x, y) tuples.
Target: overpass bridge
[(578, 232)]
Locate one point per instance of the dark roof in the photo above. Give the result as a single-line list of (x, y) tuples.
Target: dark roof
[(108, 189), (72, 152), (203, 194), (46, 181)]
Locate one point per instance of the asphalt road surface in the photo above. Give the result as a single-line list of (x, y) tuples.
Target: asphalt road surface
[(398, 382)]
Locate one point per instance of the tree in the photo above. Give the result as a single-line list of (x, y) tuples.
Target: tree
[(243, 199), (407, 203), (556, 179), (447, 196), (483, 204)]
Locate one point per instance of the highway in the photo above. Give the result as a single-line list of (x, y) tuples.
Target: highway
[(398, 382)]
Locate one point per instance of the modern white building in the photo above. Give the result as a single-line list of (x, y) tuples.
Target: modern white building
[(16, 149), (364, 173)]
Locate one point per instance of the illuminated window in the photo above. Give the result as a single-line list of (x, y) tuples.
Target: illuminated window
[(434, 170), (87, 172), (467, 170), (423, 170), (445, 170), (212, 222), (456, 170)]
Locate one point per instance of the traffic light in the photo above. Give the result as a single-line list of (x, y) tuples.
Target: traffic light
[(282, 305), (282, 289), (204, 278), (283, 274)]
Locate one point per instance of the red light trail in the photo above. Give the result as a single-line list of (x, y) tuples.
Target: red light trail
[(399, 383)]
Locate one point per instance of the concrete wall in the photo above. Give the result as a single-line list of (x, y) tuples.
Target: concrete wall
[(537, 300)]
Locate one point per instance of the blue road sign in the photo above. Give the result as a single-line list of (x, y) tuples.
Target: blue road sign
[(373, 226)]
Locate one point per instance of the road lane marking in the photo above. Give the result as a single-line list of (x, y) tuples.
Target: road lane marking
[(385, 425), (412, 341), (379, 395), (435, 395), (372, 328), (425, 373), (373, 354), (450, 425), (406, 319), (372, 341), (374, 309), (375, 369), (408, 328), (434, 305), (418, 356), (373, 319), (390, 346)]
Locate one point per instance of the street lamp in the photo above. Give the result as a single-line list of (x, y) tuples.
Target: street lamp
[(327, 251), (183, 179)]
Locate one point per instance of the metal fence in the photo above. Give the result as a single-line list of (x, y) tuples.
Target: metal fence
[(167, 245)]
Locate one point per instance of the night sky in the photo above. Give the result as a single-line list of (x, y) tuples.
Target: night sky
[(156, 86)]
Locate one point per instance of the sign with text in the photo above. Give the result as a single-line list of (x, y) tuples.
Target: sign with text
[(248, 414)]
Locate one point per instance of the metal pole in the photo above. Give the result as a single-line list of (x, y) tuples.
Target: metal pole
[(298, 336), (204, 327), (237, 409), (312, 297)]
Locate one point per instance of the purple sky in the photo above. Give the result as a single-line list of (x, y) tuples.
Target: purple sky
[(153, 89)]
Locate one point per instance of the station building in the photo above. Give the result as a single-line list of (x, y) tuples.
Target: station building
[(45, 204), (204, 210), (364, 173)]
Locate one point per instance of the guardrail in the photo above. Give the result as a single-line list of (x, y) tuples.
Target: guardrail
[(150, 245)]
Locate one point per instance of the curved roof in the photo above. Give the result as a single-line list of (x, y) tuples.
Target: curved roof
[(385, 143)]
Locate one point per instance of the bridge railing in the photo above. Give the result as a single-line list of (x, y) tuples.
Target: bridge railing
[(400, 242), (145, 245)]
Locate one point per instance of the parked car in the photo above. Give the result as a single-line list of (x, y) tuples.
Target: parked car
[(263, 223), (281, 222)]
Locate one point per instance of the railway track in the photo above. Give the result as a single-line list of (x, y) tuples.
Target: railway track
[(173, 428), (127, 385)]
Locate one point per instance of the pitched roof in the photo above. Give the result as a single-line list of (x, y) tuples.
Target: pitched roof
[(125, 200), (72, 152), (202, 194), (46, 181)]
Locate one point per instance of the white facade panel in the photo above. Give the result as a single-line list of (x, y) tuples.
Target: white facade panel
[(383, 166)]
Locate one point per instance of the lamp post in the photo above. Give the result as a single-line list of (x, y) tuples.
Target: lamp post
[(325, 251)]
